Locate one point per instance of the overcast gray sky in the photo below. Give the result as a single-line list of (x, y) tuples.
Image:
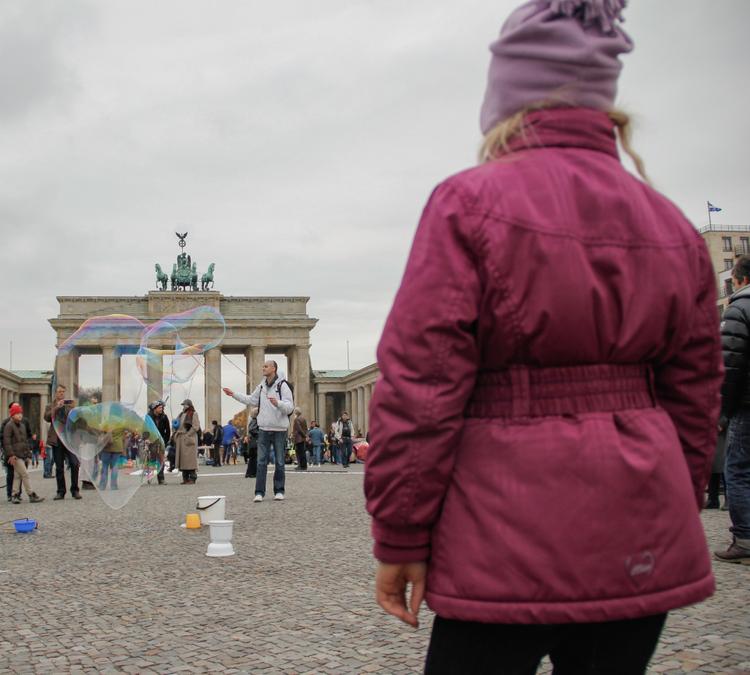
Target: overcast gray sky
[(297, 142)]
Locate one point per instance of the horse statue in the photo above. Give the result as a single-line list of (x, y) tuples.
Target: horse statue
[(208, 277), (161, 279), (194, 277)]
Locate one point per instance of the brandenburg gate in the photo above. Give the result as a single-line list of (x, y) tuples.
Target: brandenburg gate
[(255, 326)]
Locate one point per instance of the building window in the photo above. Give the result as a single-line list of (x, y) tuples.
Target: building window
[(727, 242), (745, 245), (728, 264)]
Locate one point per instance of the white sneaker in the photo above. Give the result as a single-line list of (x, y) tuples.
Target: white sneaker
[(279, 497), (258, 498)]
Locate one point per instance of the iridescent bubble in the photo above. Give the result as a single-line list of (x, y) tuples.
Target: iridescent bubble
[(119, 450)]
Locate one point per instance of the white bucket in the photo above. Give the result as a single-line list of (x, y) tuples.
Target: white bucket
[(220, 534), (211, 508)]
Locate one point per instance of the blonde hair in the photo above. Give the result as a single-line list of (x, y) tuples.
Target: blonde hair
[(496, 143)]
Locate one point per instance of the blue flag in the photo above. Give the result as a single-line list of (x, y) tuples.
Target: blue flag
[(712, 208)]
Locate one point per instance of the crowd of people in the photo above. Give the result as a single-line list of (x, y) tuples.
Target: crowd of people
[(179, 446)]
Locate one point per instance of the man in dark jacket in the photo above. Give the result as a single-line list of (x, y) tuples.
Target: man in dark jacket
[(161, 422), (56, 414), (16, 450), (252, 444), (735, 411), (9, 470)]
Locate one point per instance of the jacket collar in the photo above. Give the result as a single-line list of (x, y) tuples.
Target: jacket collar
[(568, 128), (742, 293)]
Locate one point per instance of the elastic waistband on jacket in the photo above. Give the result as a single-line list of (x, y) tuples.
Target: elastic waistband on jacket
[(527, 391)]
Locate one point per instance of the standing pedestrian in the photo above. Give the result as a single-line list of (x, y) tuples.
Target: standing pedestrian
[(275, 402), (546, 413), (344, 432), (217, 433), (735, 404), (299, 434), (161, 422), (317, 439), (16, 450), (186, 443), (252, 444), (56, 413), (229, 434)]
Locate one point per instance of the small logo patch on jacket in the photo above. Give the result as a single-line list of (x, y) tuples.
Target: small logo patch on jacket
[(640, 565)]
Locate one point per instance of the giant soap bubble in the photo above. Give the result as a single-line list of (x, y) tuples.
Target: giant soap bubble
[(118, 449), (114, 443)]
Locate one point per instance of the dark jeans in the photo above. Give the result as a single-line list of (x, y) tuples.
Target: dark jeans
[(216, 455), (267, 439), (252, 463), (301, 452), (48, 462), (9, 476), (61, 453), (611, 648), (737, 474), (346, 450)]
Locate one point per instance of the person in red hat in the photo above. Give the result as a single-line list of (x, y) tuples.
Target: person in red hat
[(16, 447)]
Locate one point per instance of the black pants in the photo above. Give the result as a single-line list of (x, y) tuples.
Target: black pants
[(61, 453), (301, 452), (714, 485), (216, 455), (611, 648), (252, 463), (10, 474)]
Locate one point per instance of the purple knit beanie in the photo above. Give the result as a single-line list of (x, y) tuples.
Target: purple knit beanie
[(559, 51)]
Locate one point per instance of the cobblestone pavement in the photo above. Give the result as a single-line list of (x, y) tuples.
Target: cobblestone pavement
[(130, 591)]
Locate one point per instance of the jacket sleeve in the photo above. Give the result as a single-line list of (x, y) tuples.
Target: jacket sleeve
[(251, 400), (428, 357), (735, 343), (48, 414), (688, 384)]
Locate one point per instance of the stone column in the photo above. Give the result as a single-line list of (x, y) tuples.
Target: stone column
[(43, 403), (349, 403), (361, 415), (110, 374), (320, 413), (3, 402), (155, 377), (67, 372), (212, 386), (255, 357), (354, 410), (368, 394), (302, 393)]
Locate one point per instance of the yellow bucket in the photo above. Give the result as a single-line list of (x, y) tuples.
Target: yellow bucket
[(192, 521)]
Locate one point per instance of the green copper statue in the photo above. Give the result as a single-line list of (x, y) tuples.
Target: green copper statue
[(184, 272)]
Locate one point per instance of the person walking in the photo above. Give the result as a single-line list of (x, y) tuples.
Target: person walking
[(252, 445), (56, 413), (17, 452), (217, 434), (344, 432), (299, 435), (735, 408), (275, 402), (186, 443), (163, 426), (317, 440), (546, 413), (229, 434)]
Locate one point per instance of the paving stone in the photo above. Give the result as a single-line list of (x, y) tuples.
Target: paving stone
[(131, 591)]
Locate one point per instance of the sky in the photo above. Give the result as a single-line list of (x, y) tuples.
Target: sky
[(297, 143)]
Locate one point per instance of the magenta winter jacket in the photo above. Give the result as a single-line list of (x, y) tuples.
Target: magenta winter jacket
[(546, 413)]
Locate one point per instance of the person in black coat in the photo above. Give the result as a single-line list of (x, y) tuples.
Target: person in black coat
[(161, 422), (735, 412), (252, 444)]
